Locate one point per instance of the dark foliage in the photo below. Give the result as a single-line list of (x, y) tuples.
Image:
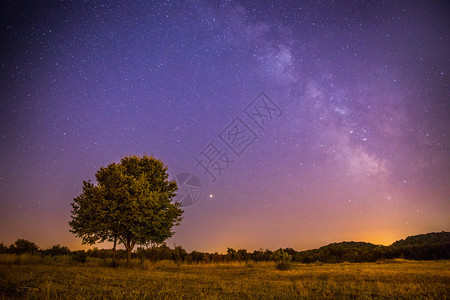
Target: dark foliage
[(424, 239), (430, 246), (79, 256), (420, 247), (56, 250), (3, 248), (22, 246)]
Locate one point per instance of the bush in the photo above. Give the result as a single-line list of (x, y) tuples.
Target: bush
[(282, 260), (56, 250), (188, 259), (79, 256)]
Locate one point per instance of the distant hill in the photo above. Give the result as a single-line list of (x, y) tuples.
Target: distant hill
[(350, 246), (424, 239), (340, 252), (430, 246)]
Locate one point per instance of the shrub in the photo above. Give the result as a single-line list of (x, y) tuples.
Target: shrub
[(282, 260), (79, 256), (188, 259), (57, 250)]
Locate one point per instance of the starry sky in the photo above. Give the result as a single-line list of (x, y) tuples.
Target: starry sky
[(305, 122)]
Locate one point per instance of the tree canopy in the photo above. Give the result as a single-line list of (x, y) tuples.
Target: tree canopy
[(23, 246), (131, 203)]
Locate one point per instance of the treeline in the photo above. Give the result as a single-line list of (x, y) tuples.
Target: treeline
[(432, 246), (22, 246), (355, 252)]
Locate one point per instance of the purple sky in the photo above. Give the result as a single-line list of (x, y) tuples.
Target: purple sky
[(357, 150)]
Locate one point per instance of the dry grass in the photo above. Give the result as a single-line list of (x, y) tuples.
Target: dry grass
[(168, 280)]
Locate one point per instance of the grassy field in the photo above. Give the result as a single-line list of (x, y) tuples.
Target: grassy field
[(30, 277)]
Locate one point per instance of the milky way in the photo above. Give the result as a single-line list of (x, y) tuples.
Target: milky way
[(355, 146)]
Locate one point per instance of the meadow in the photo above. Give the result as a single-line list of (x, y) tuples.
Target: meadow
[(34, 277)]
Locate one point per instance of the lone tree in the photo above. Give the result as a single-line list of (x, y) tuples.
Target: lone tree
[(24, 246), (131, 203)]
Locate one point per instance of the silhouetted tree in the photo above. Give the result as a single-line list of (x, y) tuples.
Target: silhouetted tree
[(164, 252), (179, 254), (258, 255), (23, 246), (206, 259), (196, 256), (3, 248), (231, 254), (188, 259), (79, 256), (242, 255), (57, 250), (267, 255), (130, 204), (216, 258)]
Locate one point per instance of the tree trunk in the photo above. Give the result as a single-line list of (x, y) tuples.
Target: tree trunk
[(128, 255), (129, 246), (114, 252)]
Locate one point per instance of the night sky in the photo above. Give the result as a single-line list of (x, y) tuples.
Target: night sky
[(305, 122)]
